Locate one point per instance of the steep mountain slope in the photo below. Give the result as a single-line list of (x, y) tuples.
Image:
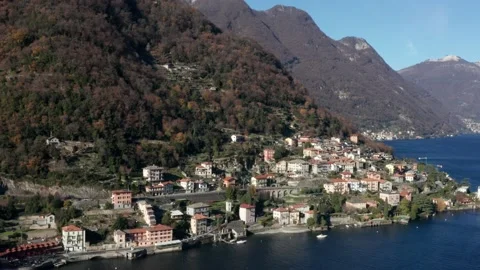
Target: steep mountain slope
[(93, 71), (451, 79), (346, 76)]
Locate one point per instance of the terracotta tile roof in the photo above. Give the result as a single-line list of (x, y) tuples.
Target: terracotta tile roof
[(159, 227), (337, 180), (136, 230), (71, 228), (247, 206), (370, 180), (199, 217), (281, 210), (228, 179)]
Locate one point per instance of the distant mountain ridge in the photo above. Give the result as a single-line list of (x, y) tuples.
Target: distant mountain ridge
[(346, 76), (451, 79)]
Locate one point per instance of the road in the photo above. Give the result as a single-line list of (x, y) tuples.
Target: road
[(198, 197)]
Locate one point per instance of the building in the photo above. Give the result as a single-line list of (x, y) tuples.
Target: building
[(374, 175), (354, 139), (360, 203), (147, 212), (199, 224), (309, 214), (237, 138), (52, 141), (410, 176), (153, 173), (198, 208), (405, 194), (298, 166), (160, 188), (73, 238), (281, 167), (337, 186), (121, 199), (392, 198), (268, 154), (247, 213), (355, 185), (37, 222), (263, 180), (285, 216), (384, 185), (187, 184), (201, 186), (311, 152), (176, 214), (237, 229), (205, 170), (229, 181), (143, 237), (291, 142), (346, 175), (370, 184), (390, 168)]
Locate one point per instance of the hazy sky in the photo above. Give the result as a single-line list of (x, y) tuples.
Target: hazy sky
[(404, 32)]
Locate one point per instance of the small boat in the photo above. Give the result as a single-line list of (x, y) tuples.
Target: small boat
[(439, 166), (347, 226), (321, 236), (241, 242)]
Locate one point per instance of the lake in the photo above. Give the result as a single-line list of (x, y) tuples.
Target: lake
[(447, 241)]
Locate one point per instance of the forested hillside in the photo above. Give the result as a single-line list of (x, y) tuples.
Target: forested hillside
[(91, 70)]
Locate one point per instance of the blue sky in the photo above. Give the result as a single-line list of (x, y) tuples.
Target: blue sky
[(403, 32)]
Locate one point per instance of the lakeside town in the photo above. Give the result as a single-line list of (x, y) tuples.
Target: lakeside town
[(293, 185)]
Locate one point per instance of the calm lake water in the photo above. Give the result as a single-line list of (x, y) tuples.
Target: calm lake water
[(444, 242)]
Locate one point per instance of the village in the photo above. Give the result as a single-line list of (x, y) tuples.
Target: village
[(298, 184)]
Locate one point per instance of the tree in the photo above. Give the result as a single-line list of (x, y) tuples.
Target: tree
[(280, 152), (311, 222), (231, 193), (68, 203), (404, 207), (166, 218), (249, 197), (121, 223), (108, 206), (386, 211), (414, 212)]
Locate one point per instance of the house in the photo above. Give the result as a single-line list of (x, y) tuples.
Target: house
[(384, 185), (143, 237), (52, 141), (374, 175), (73, 238), (319, 167), (354, 138), (237, 138), (301, 207), (281, 167), (198, 224), (355, 185), (398, 178), (160, 189), (121, 199), (298, 166), (311, 152), (463, 189), (37, 222), (392, 198), (371, 184), (237, 229), (229, 182), (360, 203), (204, 170), (247, 213), (463, 199), (153, 173), (410, 176), (198, 208), (187, 184), (390, 168), (268, 154), (147, 213), (263, 180), (309, 214), (285, 216), (201, 186), (291, 142), (405, 194), (337, 186), (176, 215), (438, 201), (346, 175)]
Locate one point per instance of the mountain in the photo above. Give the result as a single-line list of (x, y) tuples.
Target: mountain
[(451, 79), (120, 72), (346, 76)]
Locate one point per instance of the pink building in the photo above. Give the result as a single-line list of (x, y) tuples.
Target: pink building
[(268, 154), (121, 199), (142, 237)]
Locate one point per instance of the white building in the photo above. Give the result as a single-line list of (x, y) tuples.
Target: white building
[(52, 141), (281, 167), (247, 213), (187, 184), (73, 238), (205, 170), (298, 166), (201, 186), (147, 212), (410, 176), (237, 138), (392, 198), (39, 222), (199, 224), (153, 173), (198, 208), (285, 216)]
